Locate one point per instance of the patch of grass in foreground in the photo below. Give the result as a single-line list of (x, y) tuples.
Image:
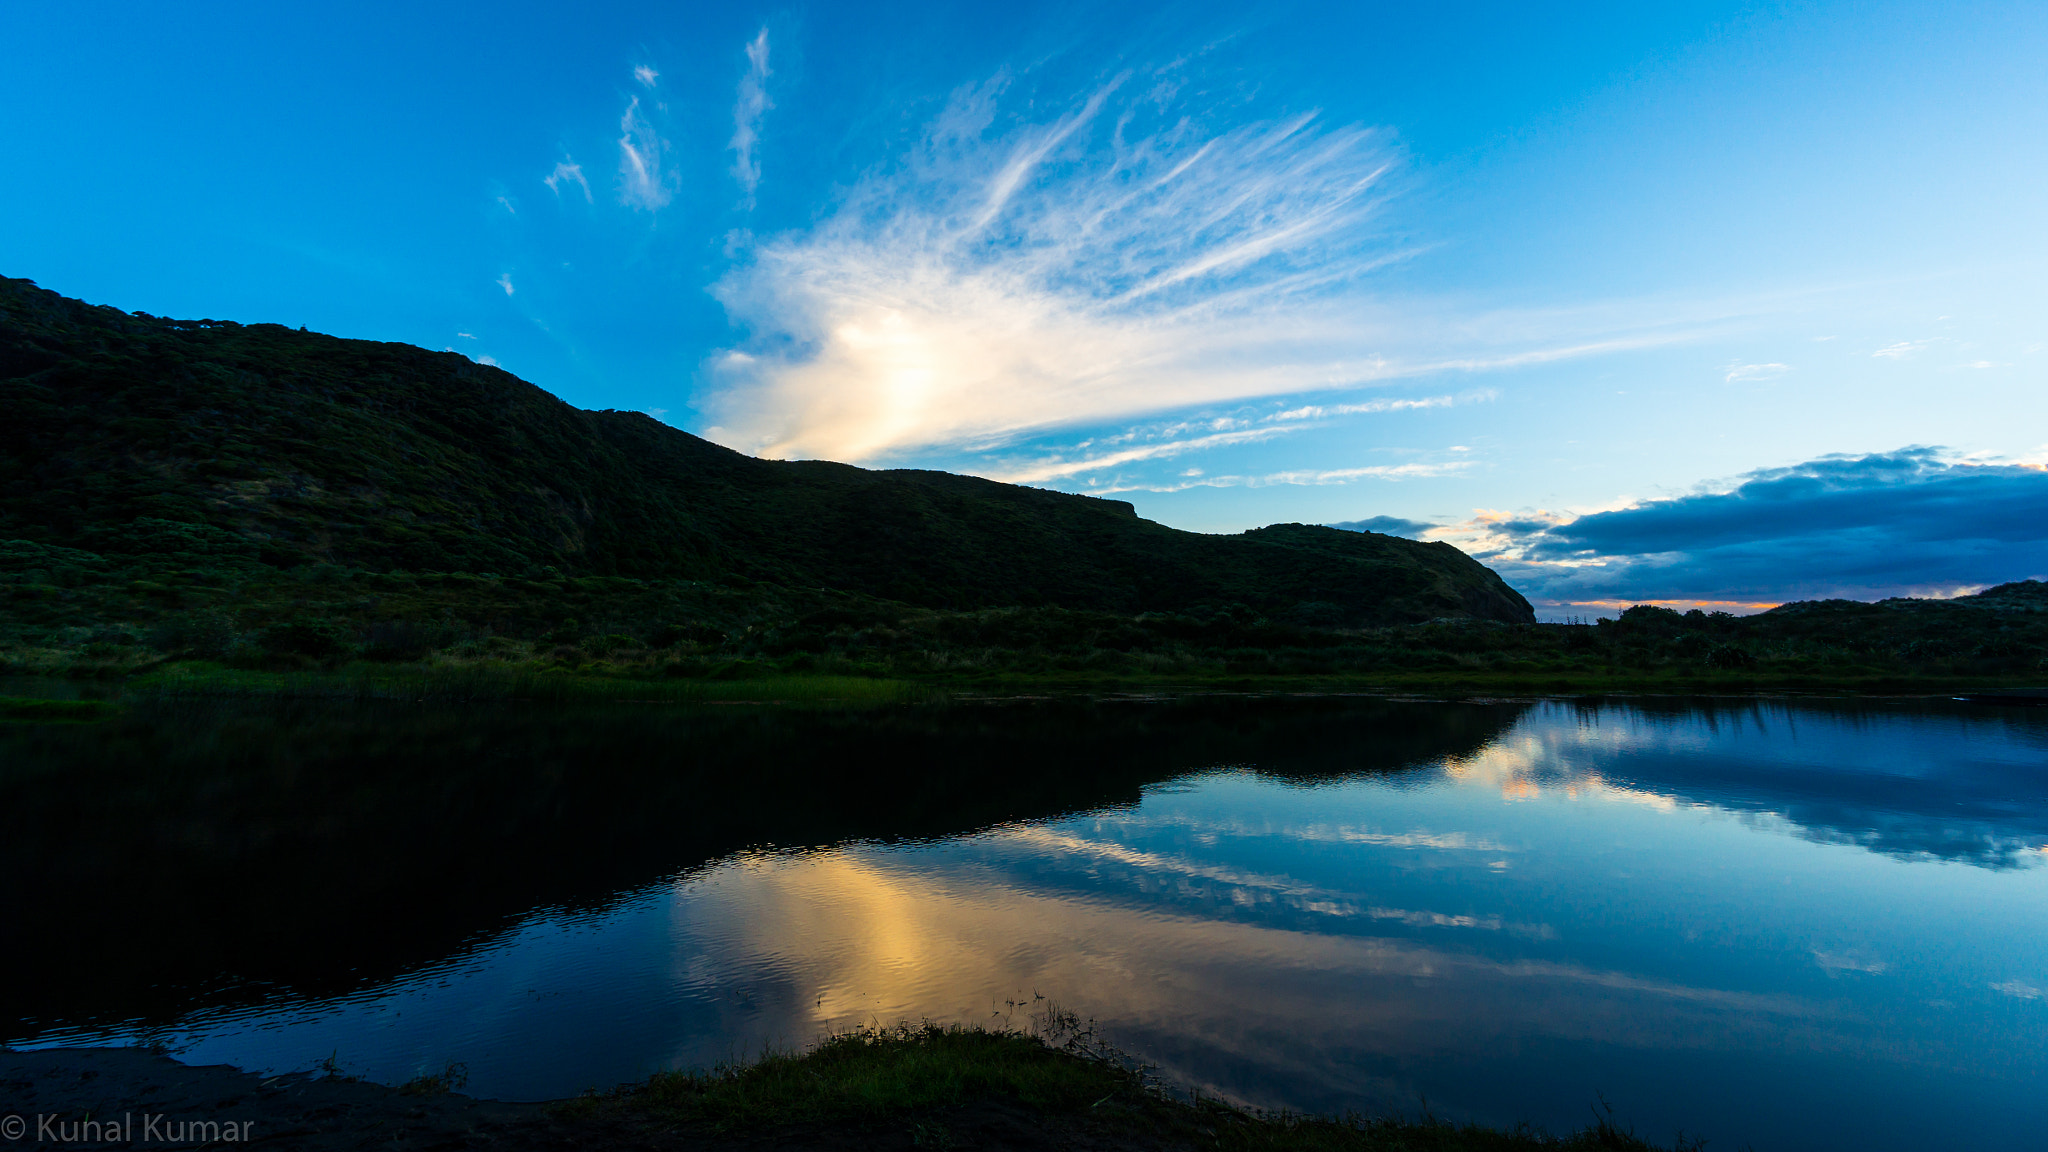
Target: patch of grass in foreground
[(878, 1072), (32, 709), (487, 683), (913, 1074)]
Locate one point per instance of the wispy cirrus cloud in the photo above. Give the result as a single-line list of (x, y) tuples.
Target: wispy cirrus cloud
[(1122, 257), (1055, 469), (747, 112), (1164, 441), (568, 172), (644, 183), (1320, 411)]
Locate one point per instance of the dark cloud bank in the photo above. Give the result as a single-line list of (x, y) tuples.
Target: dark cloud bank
[(1860, 527)]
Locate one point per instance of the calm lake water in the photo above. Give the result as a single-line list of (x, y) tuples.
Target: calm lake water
[(1787, 925)]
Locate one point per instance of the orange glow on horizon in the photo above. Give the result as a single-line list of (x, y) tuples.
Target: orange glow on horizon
[(1738, 607)]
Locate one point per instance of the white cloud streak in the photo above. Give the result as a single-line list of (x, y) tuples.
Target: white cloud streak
[(1117, 259), (1738, 372), (505, 281), (1300, 477), (643, 184), (1319, 411), (1223, 431), (1055, 469), (747, 112), (645, 75), (567, 172)]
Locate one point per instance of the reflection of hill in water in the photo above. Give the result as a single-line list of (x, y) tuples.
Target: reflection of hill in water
[(222, 849), (1908, 779)]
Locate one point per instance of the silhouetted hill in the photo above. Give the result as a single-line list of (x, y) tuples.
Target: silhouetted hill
[(132, 435)]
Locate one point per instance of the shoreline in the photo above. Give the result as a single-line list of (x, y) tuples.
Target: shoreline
[(94, 696)]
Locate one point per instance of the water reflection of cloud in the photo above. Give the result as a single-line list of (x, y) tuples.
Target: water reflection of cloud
[(887, 937), (1521, 769), (887, 934), (1834, 963), (1244, 888), (1319, 833), (1911, 782)]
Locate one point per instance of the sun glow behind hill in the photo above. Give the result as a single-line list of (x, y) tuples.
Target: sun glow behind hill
[(1141, 252)]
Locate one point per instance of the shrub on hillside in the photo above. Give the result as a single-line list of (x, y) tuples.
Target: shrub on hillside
[(401, 640), (205, 635), (317, 639)]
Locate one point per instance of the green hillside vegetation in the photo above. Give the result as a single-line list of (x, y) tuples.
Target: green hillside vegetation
[(81, 614), (261, 450), (248, 502)]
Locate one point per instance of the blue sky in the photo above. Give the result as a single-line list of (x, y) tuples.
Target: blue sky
[(1483, 268)]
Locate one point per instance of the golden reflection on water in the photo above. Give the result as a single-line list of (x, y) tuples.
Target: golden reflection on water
[(869, 936)]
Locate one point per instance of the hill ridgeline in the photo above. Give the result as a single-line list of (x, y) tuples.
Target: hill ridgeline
[(128, 435)]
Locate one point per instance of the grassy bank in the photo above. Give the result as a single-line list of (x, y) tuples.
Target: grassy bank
[(506, 682), (1566, 682), (1053, 1086), (646, 654), (324, 627), (41, 710), (767, 682), (455, 637)]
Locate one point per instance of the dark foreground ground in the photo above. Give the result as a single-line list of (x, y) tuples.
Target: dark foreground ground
[(893, 1089)]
